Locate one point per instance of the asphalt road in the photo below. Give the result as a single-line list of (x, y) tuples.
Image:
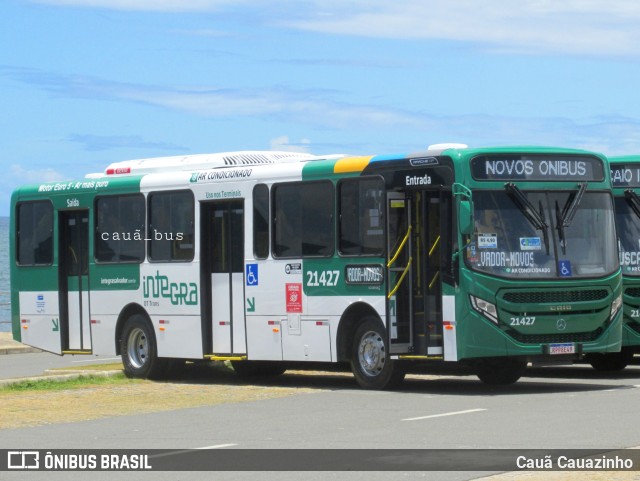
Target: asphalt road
[(555, 407), (34, 364)]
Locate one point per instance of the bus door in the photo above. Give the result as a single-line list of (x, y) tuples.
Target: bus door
[(222, 262), (399, 272), (73, 274), (431, 243)]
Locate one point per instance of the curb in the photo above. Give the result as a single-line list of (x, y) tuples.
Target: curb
[(18, 350)]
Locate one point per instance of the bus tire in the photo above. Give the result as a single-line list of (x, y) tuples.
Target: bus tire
[(500, 371), (371, 362), (139, 349), (610, 361), (248, 369)]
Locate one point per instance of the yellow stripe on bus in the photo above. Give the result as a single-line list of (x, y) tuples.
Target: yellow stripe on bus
[(351, 164)]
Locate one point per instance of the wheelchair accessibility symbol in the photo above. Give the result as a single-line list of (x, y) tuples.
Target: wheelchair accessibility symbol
[(251, 274), (564, 267)]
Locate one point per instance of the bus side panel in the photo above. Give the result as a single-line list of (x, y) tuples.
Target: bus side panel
[(449, 331), (40, 320), (307, 339), (264, 338), (103, 334), (105, 310), (331, 308), (178, 336), (268, 306)]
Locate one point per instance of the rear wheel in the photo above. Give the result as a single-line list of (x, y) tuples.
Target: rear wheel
[(500, 371), (371, 363), (139, 349), (611, 361)]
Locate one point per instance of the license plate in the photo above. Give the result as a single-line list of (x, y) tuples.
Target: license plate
[(566, 348)]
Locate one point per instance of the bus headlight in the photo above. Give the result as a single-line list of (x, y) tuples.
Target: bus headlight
[(615, 306), (485, 308)]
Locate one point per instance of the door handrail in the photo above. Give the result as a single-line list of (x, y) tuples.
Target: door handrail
[(404, 273), (404, 241), (435, 244)]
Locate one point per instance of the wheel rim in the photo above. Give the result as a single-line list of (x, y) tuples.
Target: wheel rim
[(137, 348), (371, 353)]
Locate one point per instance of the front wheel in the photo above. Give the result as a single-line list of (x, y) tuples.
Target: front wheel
[(371, 363), (139, 350), (501, 370), (609, 362)]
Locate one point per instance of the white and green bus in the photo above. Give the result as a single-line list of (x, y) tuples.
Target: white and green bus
[(493, 257)]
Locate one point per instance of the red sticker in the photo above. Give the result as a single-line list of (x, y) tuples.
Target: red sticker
[(294, 297)]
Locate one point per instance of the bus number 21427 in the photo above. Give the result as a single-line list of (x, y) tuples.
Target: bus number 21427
[(322, 278)]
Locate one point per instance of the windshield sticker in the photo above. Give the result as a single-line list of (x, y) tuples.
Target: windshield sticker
[(472, 253), (530, 244), (487, 241), (564, 268)]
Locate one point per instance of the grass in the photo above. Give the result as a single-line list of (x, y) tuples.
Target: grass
[(113, 366), (40, 401), (79, 382)]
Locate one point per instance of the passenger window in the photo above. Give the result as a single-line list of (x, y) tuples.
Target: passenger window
[(171, 229), (35, 233)]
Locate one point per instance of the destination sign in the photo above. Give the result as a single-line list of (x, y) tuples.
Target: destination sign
[(625, 175), (369, 274), (560, 168)]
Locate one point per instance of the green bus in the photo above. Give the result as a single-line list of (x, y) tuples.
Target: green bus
[(490, 257), (625, 179)]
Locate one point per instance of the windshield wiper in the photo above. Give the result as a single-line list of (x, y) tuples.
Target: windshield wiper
[(564, 218), (634, 200), (536, 218)]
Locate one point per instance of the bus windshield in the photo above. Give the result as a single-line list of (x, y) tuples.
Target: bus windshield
[(628, 222), (529, 234)]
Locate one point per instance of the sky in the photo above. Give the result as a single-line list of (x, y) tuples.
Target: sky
[(84, 83)]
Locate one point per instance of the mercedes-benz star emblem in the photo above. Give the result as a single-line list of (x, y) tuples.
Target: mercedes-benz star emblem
[(561, 325)]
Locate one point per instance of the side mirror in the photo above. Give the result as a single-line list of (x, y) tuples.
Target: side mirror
[(465, 218)]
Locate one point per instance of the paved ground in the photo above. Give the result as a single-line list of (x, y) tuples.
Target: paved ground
[(9, 346), (562, 407)]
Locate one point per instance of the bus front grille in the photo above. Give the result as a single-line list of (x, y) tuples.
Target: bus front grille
[(632, 292), (528, 297), (554, 338)]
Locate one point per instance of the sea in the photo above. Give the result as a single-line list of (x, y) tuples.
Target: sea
[(5, 297)]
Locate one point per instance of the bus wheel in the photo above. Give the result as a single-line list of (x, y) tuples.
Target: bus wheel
[(500, 371), (609, 362), (258, 368), (371, 363), (139, 350)]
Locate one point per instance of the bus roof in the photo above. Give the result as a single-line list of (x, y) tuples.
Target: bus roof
[(206, 161)]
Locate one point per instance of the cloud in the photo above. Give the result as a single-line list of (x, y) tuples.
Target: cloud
[(34, 176), (308, 106), (146, 5), (591, 27), (323, 110), (284, 144), (94, 143), (203, 32), (580, 27)]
